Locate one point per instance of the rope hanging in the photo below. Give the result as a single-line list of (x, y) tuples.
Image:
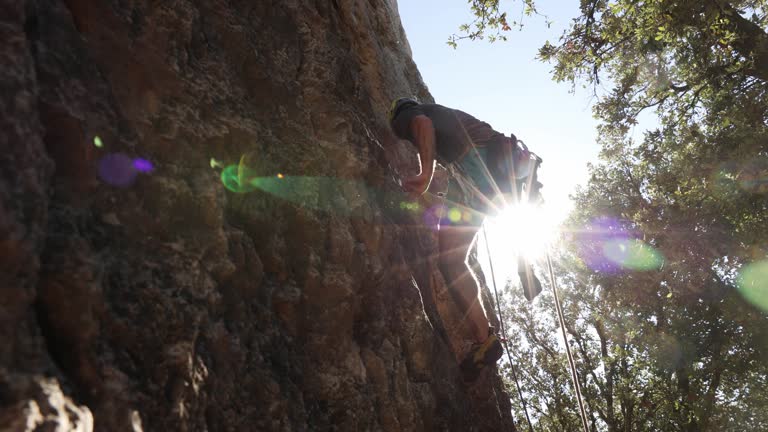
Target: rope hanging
[(561, 319), (504, 333), (571, 362), (532, 166)]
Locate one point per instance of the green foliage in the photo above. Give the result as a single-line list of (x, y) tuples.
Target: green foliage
[(490, 22), (676, 347)]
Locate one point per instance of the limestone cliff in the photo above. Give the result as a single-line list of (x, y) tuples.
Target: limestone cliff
[(140, 291)]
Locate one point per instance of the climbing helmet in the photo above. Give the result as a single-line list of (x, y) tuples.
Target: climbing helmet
[(399, 104)]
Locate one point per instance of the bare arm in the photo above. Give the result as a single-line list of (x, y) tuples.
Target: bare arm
[(424, 136)]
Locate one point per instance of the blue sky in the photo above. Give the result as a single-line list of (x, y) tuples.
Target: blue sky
[(505, 85)]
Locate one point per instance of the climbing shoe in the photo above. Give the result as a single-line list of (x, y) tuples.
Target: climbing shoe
[(481, 355)]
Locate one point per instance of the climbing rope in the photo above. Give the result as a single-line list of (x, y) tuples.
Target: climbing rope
[(532, 167), (571, 362), (561, 319), (504, 333)]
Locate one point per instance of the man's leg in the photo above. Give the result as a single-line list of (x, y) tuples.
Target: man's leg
[(454, 245)]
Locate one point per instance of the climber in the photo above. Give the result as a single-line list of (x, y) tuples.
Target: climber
[(486, 169)]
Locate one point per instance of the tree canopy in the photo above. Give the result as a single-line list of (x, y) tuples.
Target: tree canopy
[(664, 268)]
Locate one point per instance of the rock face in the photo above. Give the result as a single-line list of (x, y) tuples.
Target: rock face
[(201, 229)]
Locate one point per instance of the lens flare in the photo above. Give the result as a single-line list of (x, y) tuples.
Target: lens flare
[(467, 217), (749, 176), (454, 215), (117, 169), (753, 176), (432, 216), (752, 282), (607, 245), (97, 141), (524, 229), (143, 165), (329, 194), (238, 179), (632, 254), (215, 163)]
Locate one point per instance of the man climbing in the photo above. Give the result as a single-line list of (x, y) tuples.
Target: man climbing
[(486, 168)]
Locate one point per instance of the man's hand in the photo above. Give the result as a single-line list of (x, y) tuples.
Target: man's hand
[(417, 185)]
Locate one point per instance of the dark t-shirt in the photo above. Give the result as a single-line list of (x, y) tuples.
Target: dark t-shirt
[(455, 131)]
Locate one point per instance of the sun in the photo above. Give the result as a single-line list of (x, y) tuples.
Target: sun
[(522, 229)]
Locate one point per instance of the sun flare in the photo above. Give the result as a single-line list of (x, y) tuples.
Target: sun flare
[(522, 230)]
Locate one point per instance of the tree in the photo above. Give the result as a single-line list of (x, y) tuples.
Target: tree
[(490, 22), (673, 345)]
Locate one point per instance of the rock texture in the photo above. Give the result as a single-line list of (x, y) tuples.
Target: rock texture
[(160, 300)]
